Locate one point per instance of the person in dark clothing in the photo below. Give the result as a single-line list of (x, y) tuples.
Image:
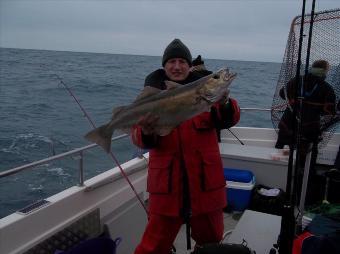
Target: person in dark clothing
[(198, 66), (185, 176), (337, 159), (197, 61), (319, 101)]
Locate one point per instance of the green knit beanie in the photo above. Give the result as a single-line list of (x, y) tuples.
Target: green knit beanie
[(176, 49)]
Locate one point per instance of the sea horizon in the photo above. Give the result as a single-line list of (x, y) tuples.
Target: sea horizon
[(112, 53)]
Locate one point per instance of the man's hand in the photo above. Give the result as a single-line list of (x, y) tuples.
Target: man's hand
[(148, 123)]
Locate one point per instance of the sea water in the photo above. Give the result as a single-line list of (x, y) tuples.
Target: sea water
[(38, 117)]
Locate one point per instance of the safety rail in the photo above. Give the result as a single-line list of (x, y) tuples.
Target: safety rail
[(255, 109), (78, 152)]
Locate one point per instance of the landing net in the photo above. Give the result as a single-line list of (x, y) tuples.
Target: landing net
[(325, 45)]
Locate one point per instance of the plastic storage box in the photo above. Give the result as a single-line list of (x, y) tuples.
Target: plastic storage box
[(240, 183)]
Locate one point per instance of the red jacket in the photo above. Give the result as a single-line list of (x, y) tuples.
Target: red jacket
[(194, 143)]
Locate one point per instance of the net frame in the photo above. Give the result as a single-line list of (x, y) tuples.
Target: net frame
[(325, 44)]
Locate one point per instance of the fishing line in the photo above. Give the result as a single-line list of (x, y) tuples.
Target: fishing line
[(94, 127), (111, 153)]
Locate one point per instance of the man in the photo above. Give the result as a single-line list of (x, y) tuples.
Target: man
[(198, 65), (319, 101), (185, 175)]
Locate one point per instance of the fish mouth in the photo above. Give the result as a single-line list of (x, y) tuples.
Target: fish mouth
[(227, 75), (222, 74)]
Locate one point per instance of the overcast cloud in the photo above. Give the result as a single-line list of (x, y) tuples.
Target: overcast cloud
[(241, 30)]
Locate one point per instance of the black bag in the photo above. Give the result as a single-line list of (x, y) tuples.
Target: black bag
[(267, 204)]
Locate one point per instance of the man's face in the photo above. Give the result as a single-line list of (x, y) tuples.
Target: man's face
[(177, 69)]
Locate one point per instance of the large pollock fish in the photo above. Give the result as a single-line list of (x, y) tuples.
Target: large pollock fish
[(173, 106)]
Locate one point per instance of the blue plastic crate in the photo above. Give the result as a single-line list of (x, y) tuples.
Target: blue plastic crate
[(239, 195), (240, 184)]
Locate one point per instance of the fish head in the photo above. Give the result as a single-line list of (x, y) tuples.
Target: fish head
[(217, 85)]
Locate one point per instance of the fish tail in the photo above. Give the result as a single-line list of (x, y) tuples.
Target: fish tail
[(101, 136)]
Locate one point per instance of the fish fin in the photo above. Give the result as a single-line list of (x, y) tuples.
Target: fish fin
[(146, 92), (116, 110), (163, 131), (101, 136), (210, 97), (171, 84), (126, 130)]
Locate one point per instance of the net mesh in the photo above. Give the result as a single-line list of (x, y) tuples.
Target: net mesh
[(325, 45)]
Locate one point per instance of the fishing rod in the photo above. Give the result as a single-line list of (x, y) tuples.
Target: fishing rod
[(288, 223), (235, 137), (287, 231), (311, 158), (111, 153)]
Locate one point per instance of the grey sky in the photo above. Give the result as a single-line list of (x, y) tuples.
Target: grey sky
[(241, 30)]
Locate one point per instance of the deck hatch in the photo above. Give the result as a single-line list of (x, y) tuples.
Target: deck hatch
[(87, 226), (33, 207)]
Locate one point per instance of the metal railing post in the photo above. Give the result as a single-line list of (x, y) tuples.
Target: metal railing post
[(81, 169)]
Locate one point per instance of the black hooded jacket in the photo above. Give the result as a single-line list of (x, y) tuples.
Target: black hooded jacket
[(319, 99)]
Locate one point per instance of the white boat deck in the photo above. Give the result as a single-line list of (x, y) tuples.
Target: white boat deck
[(120, 211), (259, 231), (230, 222)]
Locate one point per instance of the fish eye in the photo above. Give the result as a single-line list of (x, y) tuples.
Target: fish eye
[(216, 76)]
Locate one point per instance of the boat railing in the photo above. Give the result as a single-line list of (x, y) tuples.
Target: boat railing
[(255, 109), (79, 152)]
